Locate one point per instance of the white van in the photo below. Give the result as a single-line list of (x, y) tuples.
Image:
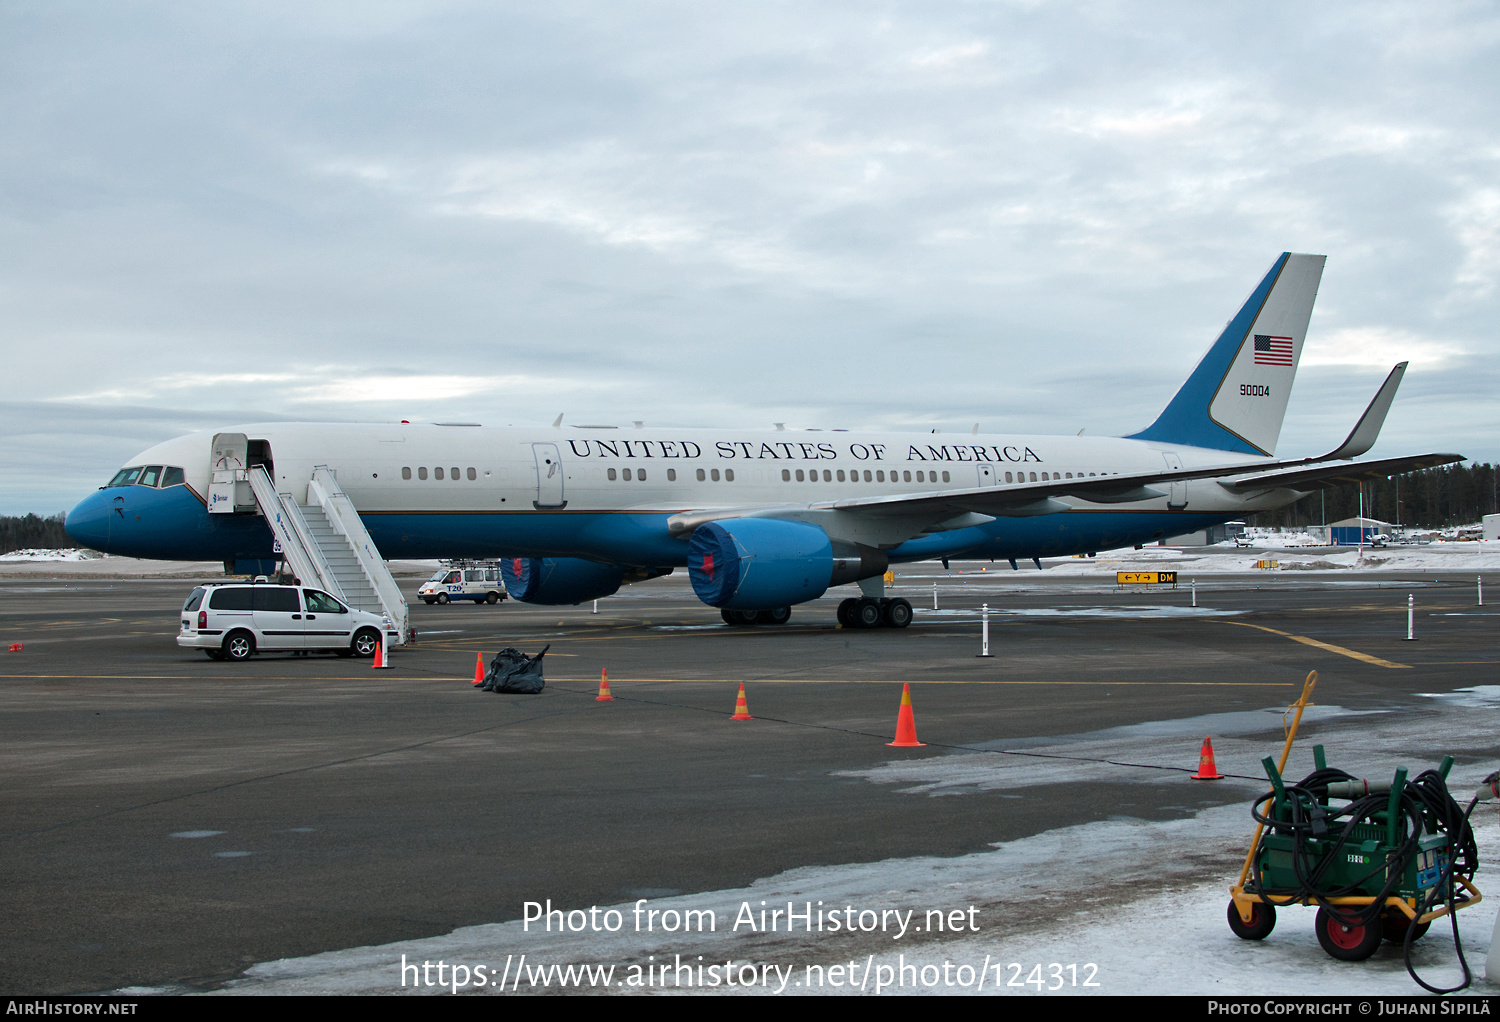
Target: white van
[(234, 621), (478, 582)]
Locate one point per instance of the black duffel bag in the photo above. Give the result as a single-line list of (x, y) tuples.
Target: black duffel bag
[(510, 670)]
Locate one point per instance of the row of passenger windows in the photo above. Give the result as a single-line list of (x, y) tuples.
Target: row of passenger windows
[(149, 475), (639, 475), (441, 473)]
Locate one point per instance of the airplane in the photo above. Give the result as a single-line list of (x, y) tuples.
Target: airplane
[(762, 520)]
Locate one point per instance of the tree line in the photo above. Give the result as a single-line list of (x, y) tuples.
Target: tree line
[(29, 532), (1431, 498)]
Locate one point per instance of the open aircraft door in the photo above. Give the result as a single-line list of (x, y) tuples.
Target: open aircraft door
[(228, 488), (549, 478)]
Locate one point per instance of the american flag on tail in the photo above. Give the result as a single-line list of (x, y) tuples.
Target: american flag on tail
[(1273, 351)]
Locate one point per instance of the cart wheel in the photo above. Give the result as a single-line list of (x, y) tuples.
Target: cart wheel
[(1393, 925), (1262, 921), (1349, 942)]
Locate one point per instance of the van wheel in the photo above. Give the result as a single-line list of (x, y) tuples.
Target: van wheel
[(492, 599), (366, 642), (238, 646), (442, 597)]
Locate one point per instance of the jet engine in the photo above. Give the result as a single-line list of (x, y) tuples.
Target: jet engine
[(554, 580), (765, 563)]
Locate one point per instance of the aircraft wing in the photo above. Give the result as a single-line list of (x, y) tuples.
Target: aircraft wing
[(1323, 477)]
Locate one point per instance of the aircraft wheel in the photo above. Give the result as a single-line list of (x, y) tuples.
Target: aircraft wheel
[(775, 616), (897, 613), (846, 611), (442, 597), (867, 613), (739, 618)]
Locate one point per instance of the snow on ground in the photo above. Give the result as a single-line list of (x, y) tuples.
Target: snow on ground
[(51, 555), (1133, 905)]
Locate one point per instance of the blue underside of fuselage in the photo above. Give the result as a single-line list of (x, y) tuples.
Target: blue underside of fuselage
[(173, 524)]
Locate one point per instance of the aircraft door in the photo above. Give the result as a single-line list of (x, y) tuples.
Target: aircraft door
[(986, 474), (1177, 499), (549, 478), (231, 456)]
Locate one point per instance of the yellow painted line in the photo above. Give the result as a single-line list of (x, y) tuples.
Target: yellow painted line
[(1330, 647), (614, 680)]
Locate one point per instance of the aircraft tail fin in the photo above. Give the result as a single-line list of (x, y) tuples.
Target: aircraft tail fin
[(1235, 400)]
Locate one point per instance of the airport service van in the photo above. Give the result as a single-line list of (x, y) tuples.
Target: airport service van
[(234, 621), (465, 580)]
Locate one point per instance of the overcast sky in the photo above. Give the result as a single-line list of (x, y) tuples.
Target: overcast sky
[(1032, 216)]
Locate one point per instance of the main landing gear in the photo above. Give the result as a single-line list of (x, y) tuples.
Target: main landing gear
[(864, 612), (775, 616)]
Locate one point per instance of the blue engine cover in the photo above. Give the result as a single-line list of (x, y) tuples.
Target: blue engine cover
[(759, 563), (553, 580)]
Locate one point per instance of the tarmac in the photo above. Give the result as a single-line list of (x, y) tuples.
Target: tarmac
[(169, 821)]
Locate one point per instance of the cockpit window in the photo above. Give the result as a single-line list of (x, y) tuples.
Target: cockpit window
[(172, 477), (125, 476), (149, 476)]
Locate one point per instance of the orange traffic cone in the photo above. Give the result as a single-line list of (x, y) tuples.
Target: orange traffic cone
[(380, 660), (1207, 771), (604, 696), (906, 724), (741, 708), (478, 668)]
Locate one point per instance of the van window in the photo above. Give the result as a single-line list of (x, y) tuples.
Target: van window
[(235, 598), (282, 599), (194, 598), (319, 602), (453, 576), (474, 575)]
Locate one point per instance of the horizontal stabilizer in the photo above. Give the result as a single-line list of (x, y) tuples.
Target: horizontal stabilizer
[(1324, 477)]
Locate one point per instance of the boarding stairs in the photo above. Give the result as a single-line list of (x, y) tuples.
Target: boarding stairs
[(325, 544)]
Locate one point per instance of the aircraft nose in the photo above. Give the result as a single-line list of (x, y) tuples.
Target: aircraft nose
[(88, 523)]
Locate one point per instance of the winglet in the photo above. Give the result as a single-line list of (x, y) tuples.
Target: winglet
[(1367, 429)]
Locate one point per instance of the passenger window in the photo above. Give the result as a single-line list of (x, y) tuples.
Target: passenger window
[(1033, 477), (867, 475), (322, 603), (276, 598), (945, 477), (714, 474), (455, 476), (610, 475), (827, 476), (700, 475), (879, 475), (906, 476), (406, 473), (473, 475), (626, 474), (671, 475), (841, 475), (786, 475), (1068, 474), (640, 475), (437, 473), (422, 473), (1007, 477), (921, 478), (172, 477), (729, 475), (230, 599), (799, 475)]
